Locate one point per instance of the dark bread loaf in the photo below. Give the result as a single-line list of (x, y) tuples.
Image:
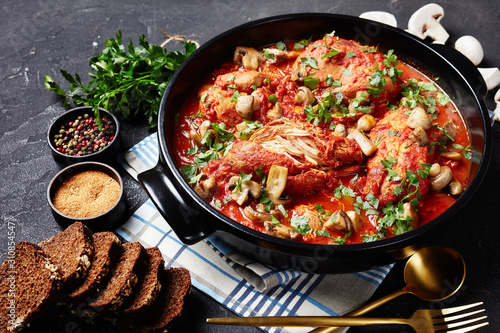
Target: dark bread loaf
[(161, 315), (29, 282), (149, 285), (106, 253), (123, 279), (71, 250)]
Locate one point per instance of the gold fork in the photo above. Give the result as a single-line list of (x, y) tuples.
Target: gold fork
[(422, 321)]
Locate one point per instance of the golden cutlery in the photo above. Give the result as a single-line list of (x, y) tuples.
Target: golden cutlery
[(433, 273), (422, 321)]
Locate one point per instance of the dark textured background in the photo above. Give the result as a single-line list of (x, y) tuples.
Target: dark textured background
[(39, 37)]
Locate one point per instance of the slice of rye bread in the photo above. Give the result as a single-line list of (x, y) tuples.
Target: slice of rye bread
[(107, 248), (29, 282), (168, 306), (149, 286), (71, 250), (123, 279)]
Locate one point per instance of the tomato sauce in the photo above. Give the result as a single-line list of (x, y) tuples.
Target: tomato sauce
[(215, 140)]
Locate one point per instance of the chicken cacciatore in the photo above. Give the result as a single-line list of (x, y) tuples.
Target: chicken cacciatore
[(324, 141)]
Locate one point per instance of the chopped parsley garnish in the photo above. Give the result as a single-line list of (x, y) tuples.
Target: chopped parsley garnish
[(388, 163), (323, 233), (331, 53), (300, 224), (310, 61), (251, 126), (280, 46), (311, 82), (273, 99), (235, 96), (268, 55), (343, 191), (466, 151), (303, 43)]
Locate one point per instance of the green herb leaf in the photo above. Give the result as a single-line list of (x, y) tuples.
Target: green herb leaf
[(300, 223), (127, 81), (310, 61)]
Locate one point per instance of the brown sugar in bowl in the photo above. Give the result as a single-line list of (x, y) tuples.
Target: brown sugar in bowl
[(89, 192)]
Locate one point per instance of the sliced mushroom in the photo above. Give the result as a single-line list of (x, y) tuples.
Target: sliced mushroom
[(409, 211), (419, 136), (204, 127), (425, 23), (276, 182), (205, 188), (355, 219), (340, 130), (452, 155), (257, 215), (470, 47), (361, 103), (419, 118), (442, 179), (366, 122), (367, 147), (456, 188), (245, 106), (449, 131), (299, 73), (339, 221), (278, 55), (406, 102), (276, 112), (247, 57), (241, 194), (434, 170), (380, 16), (304, 96), (280, 231), (193, 134)]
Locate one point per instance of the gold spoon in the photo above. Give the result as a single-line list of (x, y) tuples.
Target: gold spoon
[(433, 273)]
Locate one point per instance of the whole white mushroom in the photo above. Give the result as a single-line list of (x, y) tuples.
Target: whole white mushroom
[(471, 48), (497, 109), (491, 76), (425, 23), (380, 16)]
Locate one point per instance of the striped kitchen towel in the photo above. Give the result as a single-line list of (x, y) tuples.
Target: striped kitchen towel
[(246, 287)]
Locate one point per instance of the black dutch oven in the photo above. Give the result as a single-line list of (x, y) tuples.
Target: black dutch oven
[(193, 219)]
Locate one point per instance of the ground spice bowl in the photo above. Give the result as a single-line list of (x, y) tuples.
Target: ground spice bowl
[(107, 154), (107, 221)]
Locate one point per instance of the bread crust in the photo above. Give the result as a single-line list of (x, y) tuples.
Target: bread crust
[(72, 251), (29, 283)]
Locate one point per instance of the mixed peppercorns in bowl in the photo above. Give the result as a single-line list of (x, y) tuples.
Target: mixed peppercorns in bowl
[(77, 136)]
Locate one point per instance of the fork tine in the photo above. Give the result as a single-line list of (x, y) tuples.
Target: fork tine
[(448, 311), (458, 324), (468, 329), (448, 319)]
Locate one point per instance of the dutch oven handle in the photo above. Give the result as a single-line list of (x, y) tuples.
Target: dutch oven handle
[(190, 222), (464, 66)]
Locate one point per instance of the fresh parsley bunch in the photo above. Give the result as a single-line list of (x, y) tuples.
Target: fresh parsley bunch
[(128, 82)]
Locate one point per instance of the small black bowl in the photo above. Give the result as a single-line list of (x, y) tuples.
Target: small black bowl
[(106, 155), (108, 220)]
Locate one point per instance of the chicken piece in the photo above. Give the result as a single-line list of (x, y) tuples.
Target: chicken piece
[(245, 81), (220, 106), (397, 149), (342, 60), (309, 182), (248, 156), (306, 143)]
